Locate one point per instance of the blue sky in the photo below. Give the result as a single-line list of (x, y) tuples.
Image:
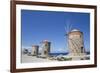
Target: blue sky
[(50, 25)]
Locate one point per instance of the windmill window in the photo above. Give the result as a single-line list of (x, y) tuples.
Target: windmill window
[(34, 52), (45, 52), (81, 49), (80, 36)]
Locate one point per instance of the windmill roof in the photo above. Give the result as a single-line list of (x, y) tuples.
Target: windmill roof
[(75, 30)]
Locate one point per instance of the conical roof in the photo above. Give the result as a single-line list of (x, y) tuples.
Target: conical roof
[(75, 30)]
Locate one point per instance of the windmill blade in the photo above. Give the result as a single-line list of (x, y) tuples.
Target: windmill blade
[(77, 45), (74, 45), (67, 27), (78, 41), (70, 27), (81, 44)]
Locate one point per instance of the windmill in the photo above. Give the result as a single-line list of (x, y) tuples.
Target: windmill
[(35, 50), (46, 45), (75, 42)]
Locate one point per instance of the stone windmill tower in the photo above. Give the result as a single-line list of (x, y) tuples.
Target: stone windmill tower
[(35, 49), (45, 48), (76, 43)]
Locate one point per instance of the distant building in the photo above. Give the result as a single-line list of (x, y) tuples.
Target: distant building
[(35, 49), (46, 48), (76, 43)]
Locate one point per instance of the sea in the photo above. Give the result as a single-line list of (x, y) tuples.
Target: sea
[(56, 54)]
